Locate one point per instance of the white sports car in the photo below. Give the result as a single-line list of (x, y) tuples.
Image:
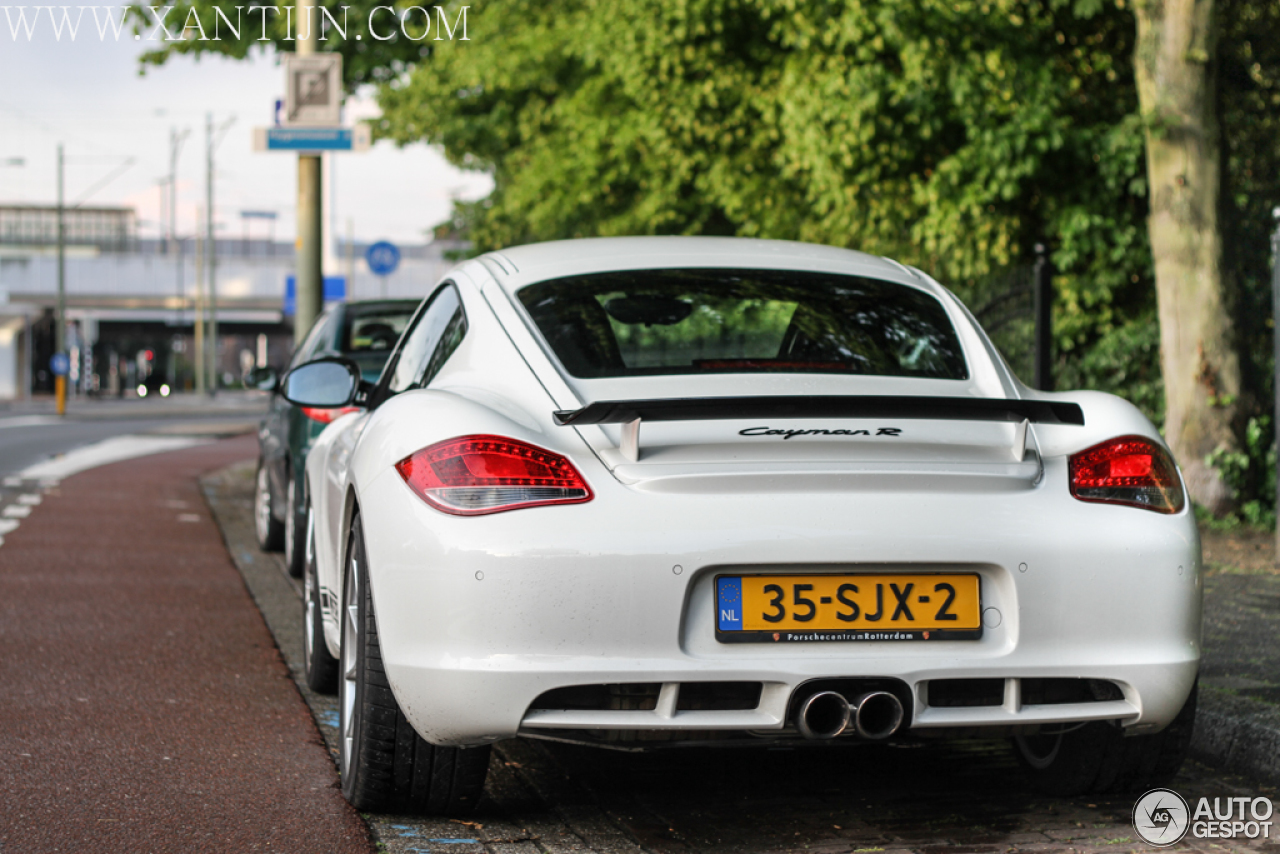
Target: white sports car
[(646, 492)]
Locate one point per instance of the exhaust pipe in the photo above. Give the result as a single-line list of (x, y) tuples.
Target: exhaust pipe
[(875, 715), (823, 715)]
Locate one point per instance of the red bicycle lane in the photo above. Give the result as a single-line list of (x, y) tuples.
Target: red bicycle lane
[(144, 706)]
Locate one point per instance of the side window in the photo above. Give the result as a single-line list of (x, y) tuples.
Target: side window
[(321, 331), (449, 342), (433, 338)]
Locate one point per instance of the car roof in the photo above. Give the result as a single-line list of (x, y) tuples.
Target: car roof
[(518, 266)]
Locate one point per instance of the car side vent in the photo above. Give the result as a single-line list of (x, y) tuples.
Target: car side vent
[(719, 696), (966, 692), (1050, 692), (628, 696)]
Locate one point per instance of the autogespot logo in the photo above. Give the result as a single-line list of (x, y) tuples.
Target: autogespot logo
[(1161, 817)]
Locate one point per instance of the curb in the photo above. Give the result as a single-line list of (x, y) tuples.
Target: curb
[(1237, 734)]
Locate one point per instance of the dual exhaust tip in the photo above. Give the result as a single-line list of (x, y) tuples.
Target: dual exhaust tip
[(875, 715)]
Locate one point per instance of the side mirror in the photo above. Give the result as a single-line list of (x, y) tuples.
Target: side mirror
[(324, 383), (262, 379)]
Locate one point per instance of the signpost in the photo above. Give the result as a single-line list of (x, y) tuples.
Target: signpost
[(310, 124), (382, 258), (312, 115)]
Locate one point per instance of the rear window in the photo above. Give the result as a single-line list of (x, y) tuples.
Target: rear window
[(375, 329), (652, 322)]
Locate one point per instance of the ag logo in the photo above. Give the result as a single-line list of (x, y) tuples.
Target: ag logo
[(1161, 817)]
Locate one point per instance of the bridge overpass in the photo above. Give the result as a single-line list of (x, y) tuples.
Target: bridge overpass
[(127, 296)]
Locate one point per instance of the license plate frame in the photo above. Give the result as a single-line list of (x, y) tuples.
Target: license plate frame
[(826, 628)]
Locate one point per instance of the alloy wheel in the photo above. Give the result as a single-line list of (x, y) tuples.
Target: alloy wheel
[(310, 595), (350, 663), (262, 505)]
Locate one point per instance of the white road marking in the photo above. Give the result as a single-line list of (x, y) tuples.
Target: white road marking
[(8, 525), (30, 421), (188, 517), (17, 511), (111, 450), (29, 498), (13, 481)]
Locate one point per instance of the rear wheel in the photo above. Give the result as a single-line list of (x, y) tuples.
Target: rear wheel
[(1098, 758), (270, 533), (321, 667), (295, 534), (385, 765)]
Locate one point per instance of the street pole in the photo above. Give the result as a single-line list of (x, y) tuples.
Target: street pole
[(198, 331), (174, 247), (211, 246), (60, 318), (309, 293), (350, 267), (211, 252)]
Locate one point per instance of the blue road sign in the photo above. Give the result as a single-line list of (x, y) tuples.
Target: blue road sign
[(310, 139), (383, 258), (60, 364), (335, 288)]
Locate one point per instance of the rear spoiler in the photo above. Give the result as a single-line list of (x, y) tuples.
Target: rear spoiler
[(631, 412)]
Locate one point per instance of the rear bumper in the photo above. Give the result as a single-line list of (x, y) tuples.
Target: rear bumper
[(480, 616)]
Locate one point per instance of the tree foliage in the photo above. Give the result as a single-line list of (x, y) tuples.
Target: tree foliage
[(949, 135)]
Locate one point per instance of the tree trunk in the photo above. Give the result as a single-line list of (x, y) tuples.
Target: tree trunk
[(1175, 72)]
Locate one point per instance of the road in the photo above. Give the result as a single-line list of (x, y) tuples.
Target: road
[(546, 798), (32, 433)]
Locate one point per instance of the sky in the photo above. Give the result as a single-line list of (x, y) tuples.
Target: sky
[(88, 95)]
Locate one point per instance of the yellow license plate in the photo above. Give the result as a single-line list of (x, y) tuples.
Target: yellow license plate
[(897, 606)]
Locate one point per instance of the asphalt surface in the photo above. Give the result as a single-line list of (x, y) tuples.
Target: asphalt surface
[(31, 431), (144, 706)]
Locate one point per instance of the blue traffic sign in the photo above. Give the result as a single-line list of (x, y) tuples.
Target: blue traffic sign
[(60, 364), (383, 258), (310, 139), (335, 289)]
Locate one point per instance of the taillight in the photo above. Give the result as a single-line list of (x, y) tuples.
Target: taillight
[(324, 416), (472, 475), (1129, 470)]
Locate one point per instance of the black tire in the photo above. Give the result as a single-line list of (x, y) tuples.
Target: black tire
[(1097, 758), (269, 531), (294, 537), (385, 765), (320, 667)]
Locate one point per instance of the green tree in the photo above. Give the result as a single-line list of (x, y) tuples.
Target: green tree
[(950, 135)]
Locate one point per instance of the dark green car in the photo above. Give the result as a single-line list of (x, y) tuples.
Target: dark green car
[(365, 332)]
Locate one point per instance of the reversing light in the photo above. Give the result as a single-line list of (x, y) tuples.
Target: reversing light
[(1131, 470), (325, 416), (473, 475)]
